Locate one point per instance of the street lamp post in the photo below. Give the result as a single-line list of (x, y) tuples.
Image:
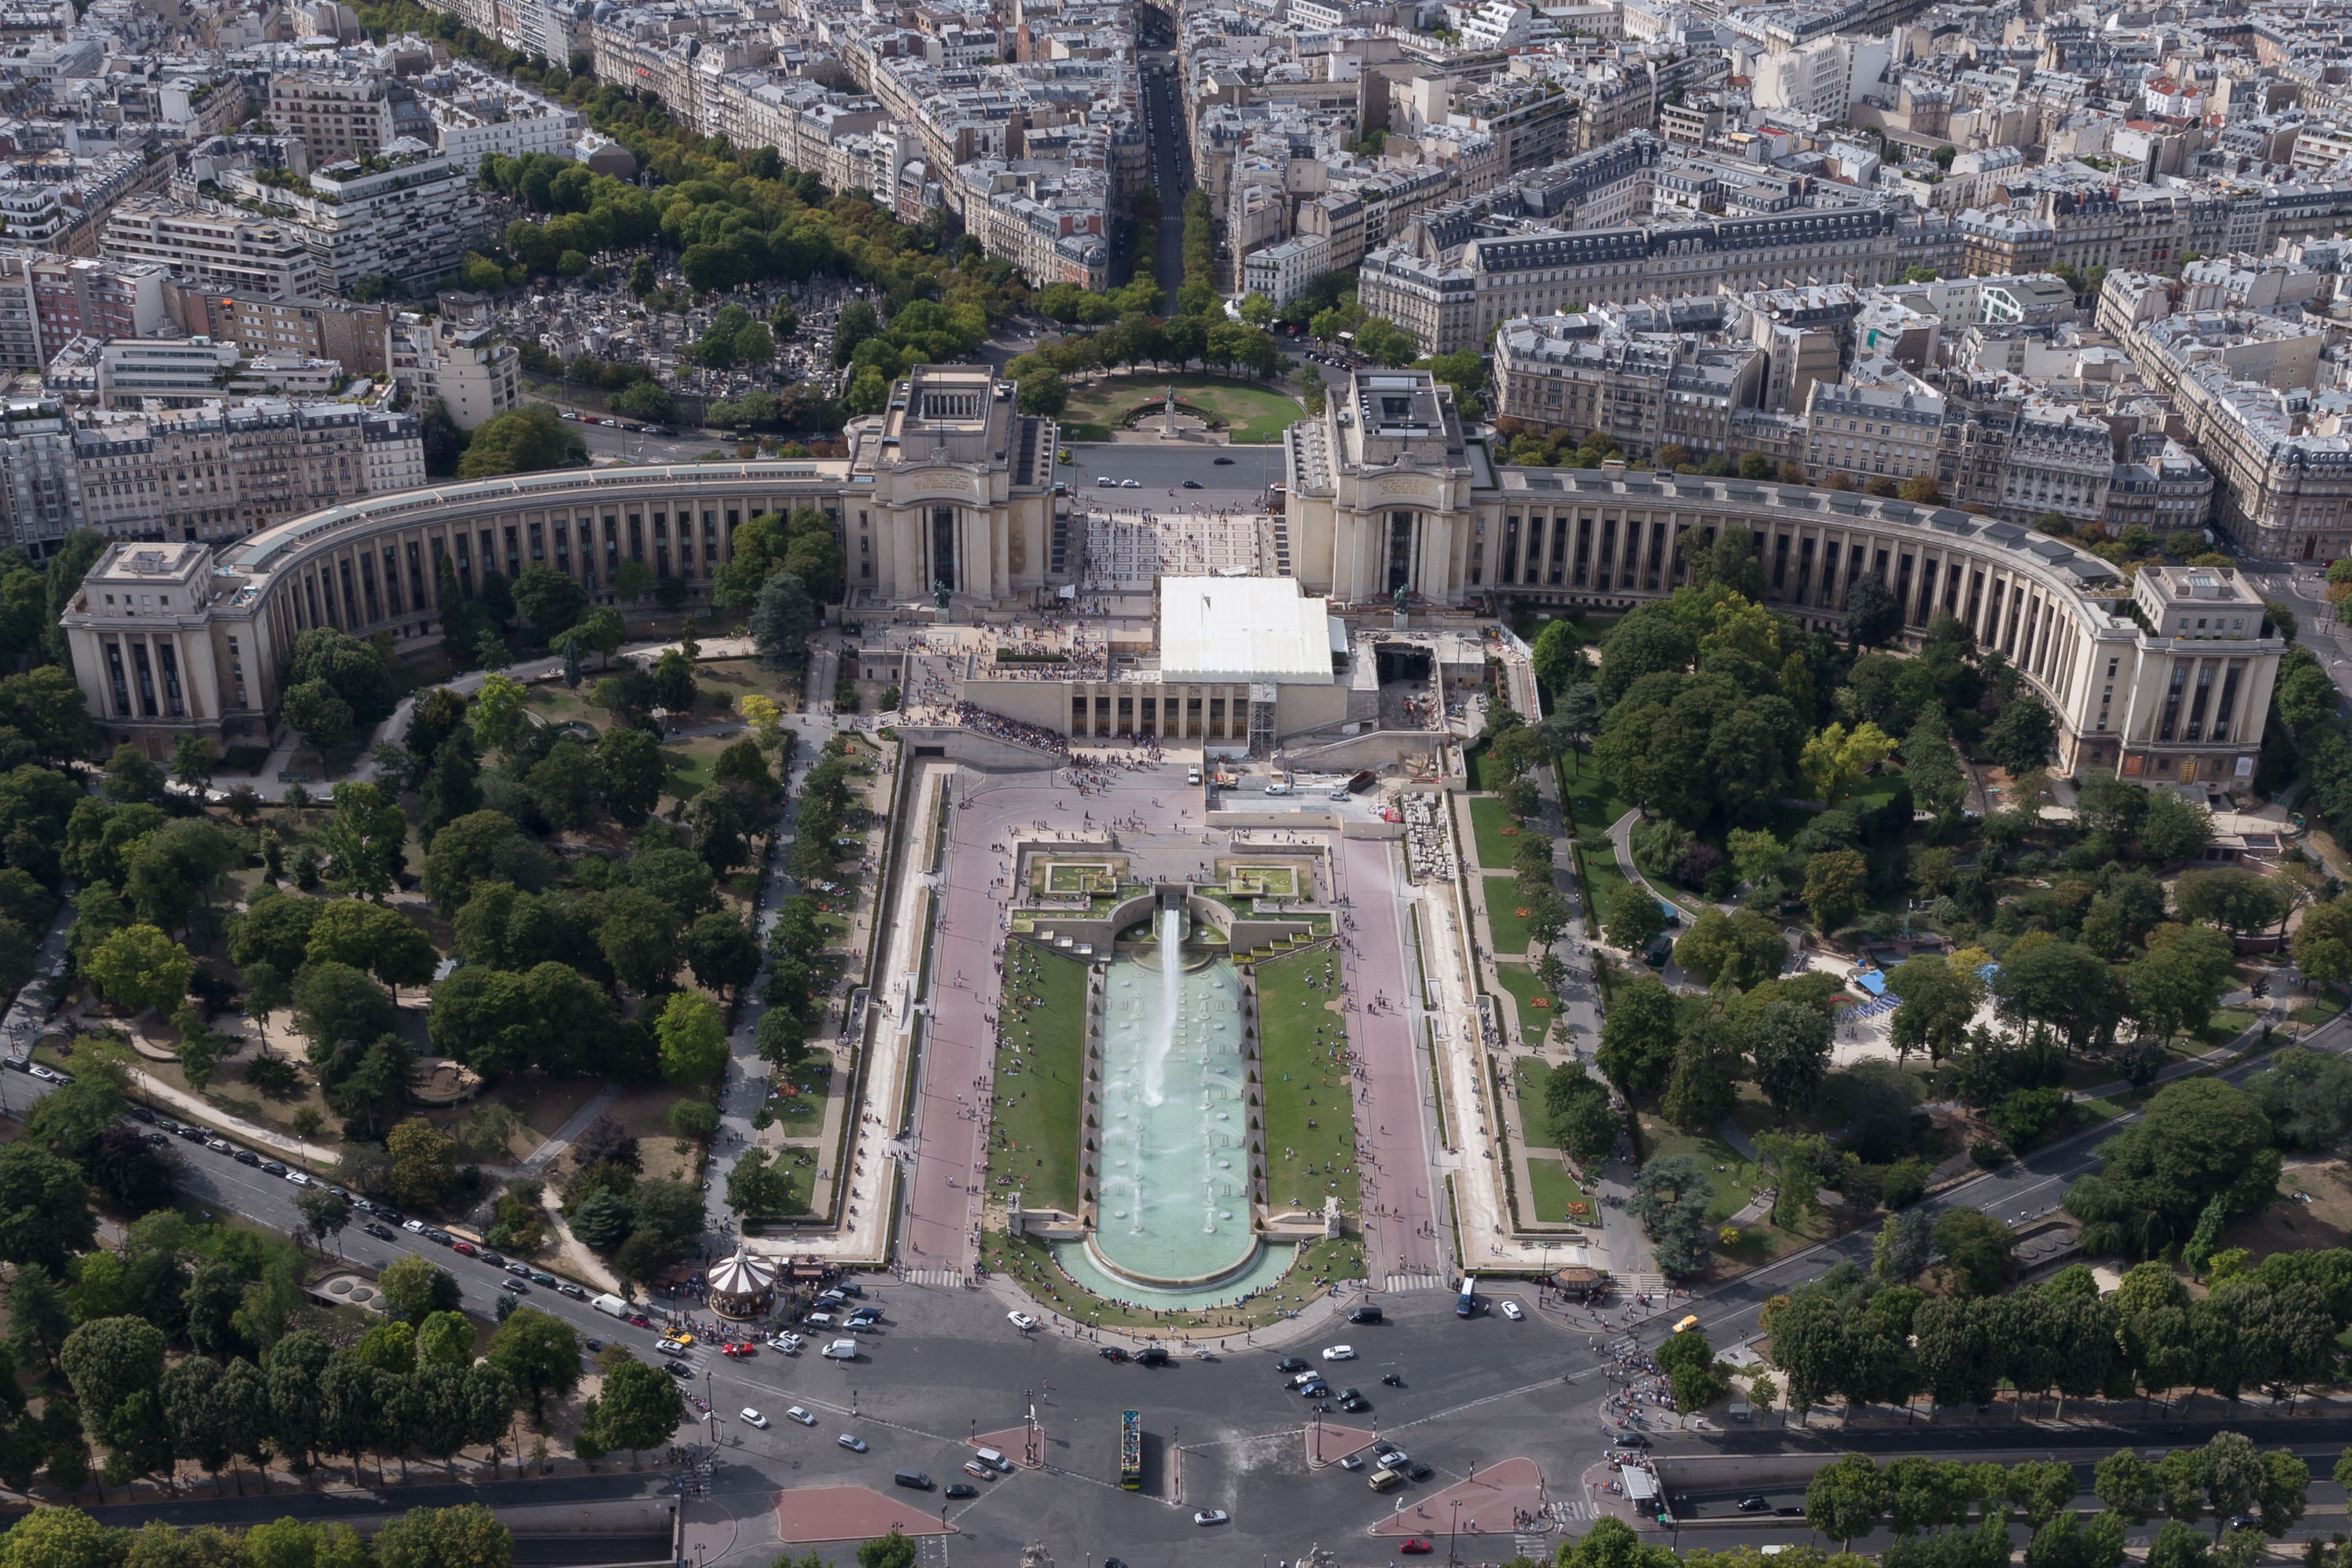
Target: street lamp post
[(1452, 1533)]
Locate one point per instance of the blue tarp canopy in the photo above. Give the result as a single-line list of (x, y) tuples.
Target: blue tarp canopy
[(1871, 980)]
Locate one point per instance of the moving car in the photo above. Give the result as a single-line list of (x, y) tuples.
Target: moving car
[(678, 1369), (1194, 485), (1351, 1463), (1290, 1363), (1111, 1352), (1365, 1315), (1224, 462), (1352, 1402), (802, 1416), (842, 1350), (1340, 1353), (753, 1417), (737, 1351), (1416, 1547), (1315, 1388), (1420, 1472), (1021, 1321), (1105, 482), (1152, 1355), (382, 1232), (1130, 484), (1212, 1516), (1755, 1502), (1689, 1322), (1511, 1311), (856, 1445)]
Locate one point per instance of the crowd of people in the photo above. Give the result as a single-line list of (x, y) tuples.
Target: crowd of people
[(980, 721)]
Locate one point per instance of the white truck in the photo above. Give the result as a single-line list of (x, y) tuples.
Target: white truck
[(1278, 782), (611, 1305)]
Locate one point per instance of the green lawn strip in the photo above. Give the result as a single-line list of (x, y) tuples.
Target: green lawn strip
[(1875, 791), (1038, 1106), (1520, 981), (1304, 1084), (1552, 1192), (1503, 917), (1494, 832), (1732, 1190), (2226, 1025), (1529, 1074), (1601, 878)]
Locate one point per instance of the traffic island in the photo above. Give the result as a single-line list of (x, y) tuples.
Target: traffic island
[(1491, 1502), (1328, 1445), (811, 1514), (1024, 1446)]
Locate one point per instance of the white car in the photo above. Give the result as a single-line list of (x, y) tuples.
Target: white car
[(1211, 1516), (788, 1343), (299, 1178), (1021, 1321), (842, 1350), (752, 1417), (802, 1416), (854, 1444), (414, 1226), (1511, 1311), (1132, 484), (1340, 1352)]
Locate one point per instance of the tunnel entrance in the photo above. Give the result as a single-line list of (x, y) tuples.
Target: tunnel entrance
[(1402, 661)]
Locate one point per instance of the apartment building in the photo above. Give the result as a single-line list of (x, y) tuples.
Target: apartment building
[(337, 117), (2159, 486), (1870, 433), (141, 372), (215, 249), (475, 113), (221, 472), (406, 212), (1282, 272), (395, 452), (463, 361), (87, 297), (352, 336), (40, 482), (1651, 375)]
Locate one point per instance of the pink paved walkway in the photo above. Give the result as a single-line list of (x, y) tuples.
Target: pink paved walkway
[(1400, 1214), (849, 1513), (1486, 1503)]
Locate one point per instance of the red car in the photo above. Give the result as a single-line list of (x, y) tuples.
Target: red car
[(737, 1351), (465, 1248), (1415, 1547), (639, 1320)]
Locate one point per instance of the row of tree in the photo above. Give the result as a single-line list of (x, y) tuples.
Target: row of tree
[(467, 1536)]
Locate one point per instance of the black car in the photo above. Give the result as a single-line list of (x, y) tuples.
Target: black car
[(678, 1369), (1755, 1502), (1365, 1315), (157, 1138), (273, 1168), (1194, 485), (963, 1490), (1314, 1390), (1420, 1472), (247, 1157), (193, 1135), (141, 1113), (1290, 1363), (593, 1344), (1111, 1352), (494, 1259), (440, 1236), (392, 1217), (1631, 1440), (1152, 1355), (1224, 462), (382, 1232)]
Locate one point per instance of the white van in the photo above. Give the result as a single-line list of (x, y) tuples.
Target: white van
[(611, 1306), (994, 1460)]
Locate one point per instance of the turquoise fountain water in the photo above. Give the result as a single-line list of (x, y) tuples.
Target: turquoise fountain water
[(1172, 1223)]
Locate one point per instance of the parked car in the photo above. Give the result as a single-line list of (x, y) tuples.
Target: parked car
[(247, 1157), (1340, 1353), (384, 1232), (1022, 1320), (855, 1443), (1212, 1516), (963, 1489), (271, 1167), (974, 1466), (1290, 1363), (1511, 1311)]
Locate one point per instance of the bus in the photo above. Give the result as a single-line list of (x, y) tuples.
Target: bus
[(1467, 1302), (1130, 1450)]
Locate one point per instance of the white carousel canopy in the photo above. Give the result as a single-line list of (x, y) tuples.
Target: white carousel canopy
[(742, 1275)]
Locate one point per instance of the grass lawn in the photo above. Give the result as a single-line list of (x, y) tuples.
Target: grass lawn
[(1503, 916), (1734, 1186), (739, 675), (1875, 790), (1593, 801), (1553, 1195), (2226, 1025), (1601, 878), (2323, 1006), (1494, 835), (1310, 1130), (1256, 414), (1520, 981), (1037, 1105)]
